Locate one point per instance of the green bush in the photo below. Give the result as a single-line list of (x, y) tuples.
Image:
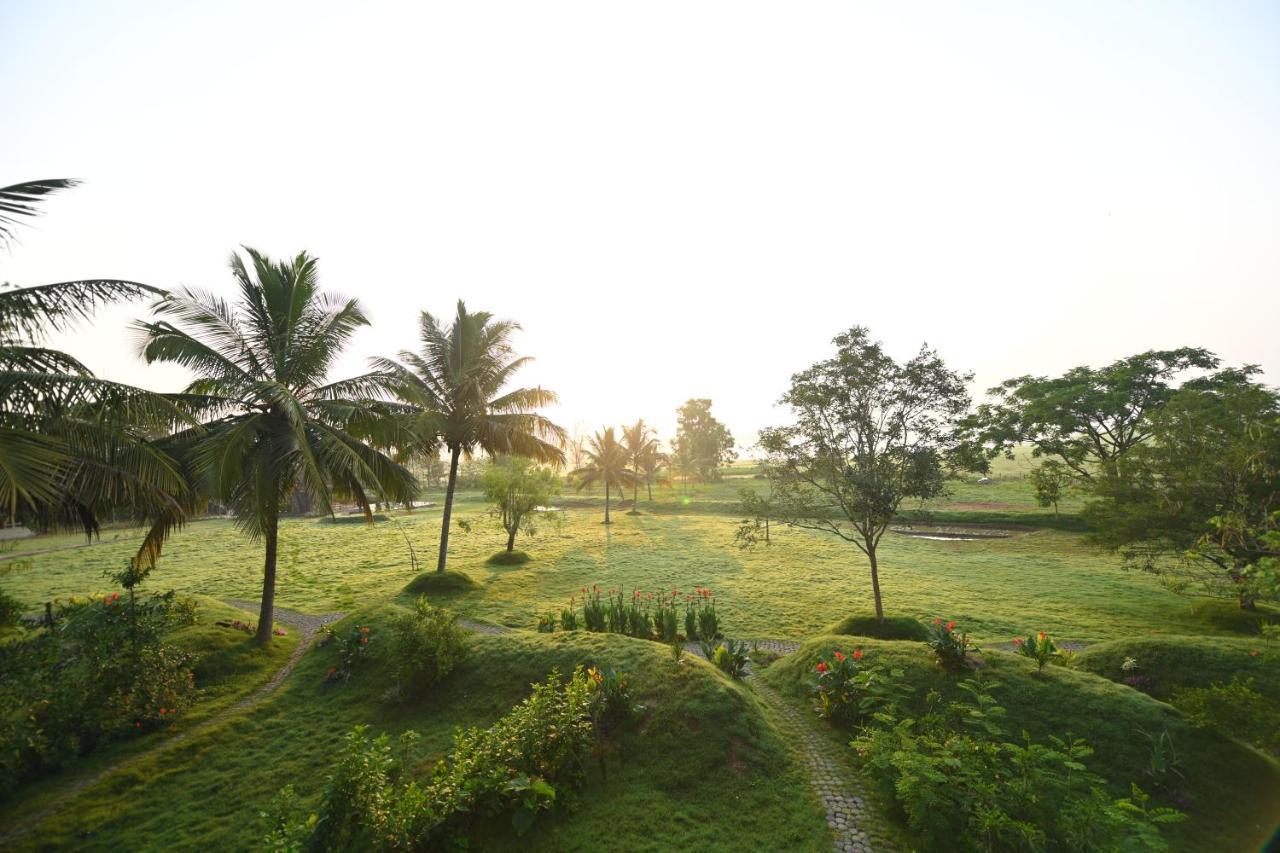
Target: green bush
[(101, 673), (1234, 709), (892, 628), (509, 558), (424, 647), (11, 610), (962, 784), (515, 767), (728, 656), (1229, 616)]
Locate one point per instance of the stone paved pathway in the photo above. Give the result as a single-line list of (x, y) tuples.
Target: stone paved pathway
[(308, 626), (853, 820)]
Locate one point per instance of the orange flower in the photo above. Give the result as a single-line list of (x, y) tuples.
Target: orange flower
[(1017, 641), (822, 666), (1253, 653), (937, 621), (1040, 636), (839, 656), (857, 654), (951, 626)]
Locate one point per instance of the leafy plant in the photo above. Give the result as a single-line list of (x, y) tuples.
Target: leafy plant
[(547, 623), (847, 689), (1039, 647), (568, 618), (1235, 709), (612, 703), (950, 650), (729, 656), (424, 647), (353, 648)]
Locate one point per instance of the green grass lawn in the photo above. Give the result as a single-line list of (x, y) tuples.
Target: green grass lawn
[(708, 761)]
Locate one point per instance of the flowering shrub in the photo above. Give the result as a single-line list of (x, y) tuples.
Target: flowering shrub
[(649, 616), (950, 650), (517, 766), (569, 618), (592, 610), (701, 622), (353, 648), (1039, 648), (546, 623), (424, 647), (666, 622), (611, 704), (100, 672), (848, 688)]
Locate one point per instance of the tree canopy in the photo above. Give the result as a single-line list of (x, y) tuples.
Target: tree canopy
[(702, 443)]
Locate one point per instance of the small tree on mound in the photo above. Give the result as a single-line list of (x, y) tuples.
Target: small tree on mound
[(517, 487), (869, 434)]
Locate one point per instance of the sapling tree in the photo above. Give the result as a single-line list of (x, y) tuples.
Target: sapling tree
[(1050, 480), (517, 487), (869, 433), (757, 510)]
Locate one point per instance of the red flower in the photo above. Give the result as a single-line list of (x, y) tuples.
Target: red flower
[(822, 666), (1253, 653), (1017, 641), (857, 654), (839, 656), (1040, 636), (937, 621), (951, 626)]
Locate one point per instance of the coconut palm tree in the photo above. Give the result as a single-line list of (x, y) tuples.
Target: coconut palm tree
[(280, 426), (456, 385), (651, 463), (73, 446), (607, 465), (639, 444)]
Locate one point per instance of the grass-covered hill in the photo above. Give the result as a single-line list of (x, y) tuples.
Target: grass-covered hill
[(703, 766), (1230, 792)]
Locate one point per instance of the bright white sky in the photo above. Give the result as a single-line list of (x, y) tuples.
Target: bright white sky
[(675, 199)]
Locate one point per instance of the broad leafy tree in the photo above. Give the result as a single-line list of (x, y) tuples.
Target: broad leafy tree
[(869, 433), (606, 466), (276, 424), (518, 487), (1198, 503), (641, 448), (702, 443), (1086, 418), (457, 385)]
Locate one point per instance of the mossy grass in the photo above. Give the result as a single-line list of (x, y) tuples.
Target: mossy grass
[(892, 628), (1169, 663), (508, 558), (446, 583), (1232, 793), (1228, 616)]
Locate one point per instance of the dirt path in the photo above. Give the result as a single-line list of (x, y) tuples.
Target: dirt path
[(307, 626)]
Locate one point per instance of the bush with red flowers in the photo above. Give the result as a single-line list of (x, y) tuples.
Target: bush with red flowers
[(950, 648), (353, 649), (848, 687), (1039, 647)]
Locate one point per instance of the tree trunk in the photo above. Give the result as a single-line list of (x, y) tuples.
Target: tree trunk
[(875, 583), (267, 612), (766, 530), (648, 482), (448, 507), (606, 501), (511, 540), (635, 496)]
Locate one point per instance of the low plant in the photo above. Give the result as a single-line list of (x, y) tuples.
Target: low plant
[(424, 646), (612, 704), (950, 649), (547, 623), (1234, 709), (677, 651), (848, 688), (1039, 647), (729, 656), (569, 618), (593, 610), (353, 650)]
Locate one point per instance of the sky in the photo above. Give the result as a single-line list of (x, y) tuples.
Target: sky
[(674, 199)]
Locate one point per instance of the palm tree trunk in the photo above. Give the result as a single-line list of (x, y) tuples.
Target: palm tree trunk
[(875, 583), (635, 496), (606, 501), (648, 483), (455, 452), (267, 612)]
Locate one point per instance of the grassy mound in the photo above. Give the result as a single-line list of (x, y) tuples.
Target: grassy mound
[(1232, 793), (508, 558), (1168, 663), (447, 582), (892, 628), (702, 769), (1227, 616), (351, 519)]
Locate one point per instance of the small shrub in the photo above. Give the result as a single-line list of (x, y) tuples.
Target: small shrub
[(11, 610), (1234, 709), (728, 656), (353, 650), (848, 689), (569, 618), (1039, 647), (950, 650), (612, 704), (546, 623), (677, 651), (593, 610), (424, 647)]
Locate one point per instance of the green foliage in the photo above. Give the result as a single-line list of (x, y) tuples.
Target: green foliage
[(103, 672), (514, 767), (728, 656), (424, 647), (702, 443), (352, 646), (11, 610), (517, 487), (1236, 710), (1038, 647), (607, 459), (613, 704), (849, 689), (950, 649), (509, 558), (1229, 617), (1050, 480), (961, 784), (546, 623), (869, 434), (890, 628)]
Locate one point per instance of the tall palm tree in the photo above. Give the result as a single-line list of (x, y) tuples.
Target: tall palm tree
[(456, 385), (278, 425), (607, 465), (639, 444), (73, 446), (651, 464)]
